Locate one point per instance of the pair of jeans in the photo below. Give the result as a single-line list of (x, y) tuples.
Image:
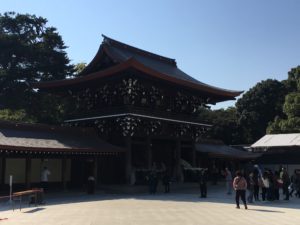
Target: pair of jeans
[(240, 194)]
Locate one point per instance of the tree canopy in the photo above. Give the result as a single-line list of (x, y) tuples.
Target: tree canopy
[(30, 51), (290, 122), (258, 106)]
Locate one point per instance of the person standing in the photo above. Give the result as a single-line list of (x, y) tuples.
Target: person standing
[(91, 185), (228, 179), (44, 178), (250, 188), (166, 181), (265, 186), (203, 183), (285, 183), (240, 186), (256, 181)]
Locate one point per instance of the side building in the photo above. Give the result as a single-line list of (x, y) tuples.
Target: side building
[(72, 155), (142, 102)]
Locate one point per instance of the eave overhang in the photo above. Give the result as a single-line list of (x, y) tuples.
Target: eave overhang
[(134, 64)]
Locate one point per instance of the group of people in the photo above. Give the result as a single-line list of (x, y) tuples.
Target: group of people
[(268, 183), (249, 186), (154, 177)]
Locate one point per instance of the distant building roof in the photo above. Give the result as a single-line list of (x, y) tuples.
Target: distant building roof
[(278, 140), (125, 56), (37, 138), (224, 151)]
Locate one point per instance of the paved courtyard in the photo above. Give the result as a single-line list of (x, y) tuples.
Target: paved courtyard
[(183, 207)]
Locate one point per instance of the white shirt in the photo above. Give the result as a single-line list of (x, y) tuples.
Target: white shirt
[(45, 174)]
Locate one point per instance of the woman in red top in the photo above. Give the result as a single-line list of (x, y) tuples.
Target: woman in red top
[(240, 186)]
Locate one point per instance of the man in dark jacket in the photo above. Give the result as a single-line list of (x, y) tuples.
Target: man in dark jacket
[(203, 183), (285, 183)]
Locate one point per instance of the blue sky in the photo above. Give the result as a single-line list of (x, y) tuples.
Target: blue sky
[(231, 44)]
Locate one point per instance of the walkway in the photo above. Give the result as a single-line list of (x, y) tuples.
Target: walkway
[(182, 207)]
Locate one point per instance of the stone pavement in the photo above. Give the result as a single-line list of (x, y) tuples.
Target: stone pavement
[(180, 207)]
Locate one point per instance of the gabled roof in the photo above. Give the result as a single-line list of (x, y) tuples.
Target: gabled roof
[(278, 140), (224, 151), (125, 56), (52, 139)]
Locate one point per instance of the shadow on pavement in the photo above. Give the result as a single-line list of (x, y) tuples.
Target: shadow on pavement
[(34, 210), (181, 193), (265, 210)]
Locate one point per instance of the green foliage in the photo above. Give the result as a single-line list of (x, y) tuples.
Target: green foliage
[(30, 52), (79, 67), (258, 106), (224, 123), (293, 81), (291, 105), (15, 115), (291, 124)]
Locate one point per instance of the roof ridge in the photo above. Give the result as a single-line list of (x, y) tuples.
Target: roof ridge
[(110, 41)]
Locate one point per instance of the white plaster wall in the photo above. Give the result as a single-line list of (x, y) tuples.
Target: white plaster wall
[(35, 170), (15, 167)]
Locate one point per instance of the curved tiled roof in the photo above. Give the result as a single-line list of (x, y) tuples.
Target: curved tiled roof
[(37, 137), (125, 56)]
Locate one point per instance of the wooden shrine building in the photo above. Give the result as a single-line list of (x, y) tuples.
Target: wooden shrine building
[(72, 154), (142, 102)]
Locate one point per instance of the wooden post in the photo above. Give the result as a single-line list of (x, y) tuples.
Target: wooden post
[(96, 170), (28, 173), (3, 165), (64, 173), (193, 154), (149, 153), (178, 174), (128, 159)]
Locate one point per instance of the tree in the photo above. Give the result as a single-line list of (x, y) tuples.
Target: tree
[(30, 52), (225, 126), (258, 106), (293, 81), (291, 124), (15, 115), (79, 67)]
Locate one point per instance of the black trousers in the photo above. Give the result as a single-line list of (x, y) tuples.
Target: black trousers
[(240, 194), (203, 190), (167, 187), (256, 192), (285, 189)]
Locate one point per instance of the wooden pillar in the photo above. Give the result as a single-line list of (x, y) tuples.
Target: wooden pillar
[(64, 173), (149, 153), (128, 159), (193, 154), (3, 166), (28, 172), (96, 170), (178, 173)]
